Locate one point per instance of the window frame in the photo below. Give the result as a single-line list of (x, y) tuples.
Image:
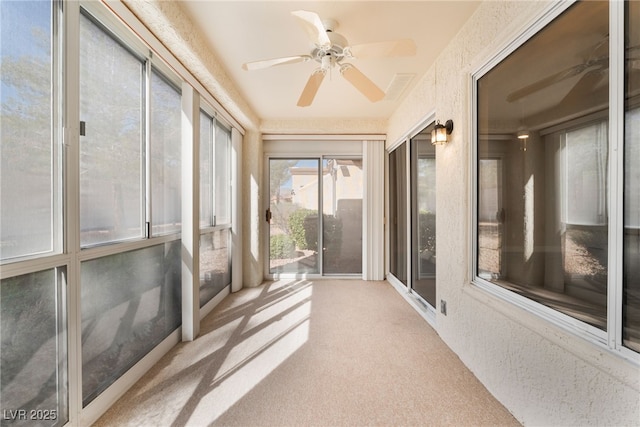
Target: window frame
[(211, 227), (213, 224), (108, 22), (57, 160), (611, 339), (154, 67)]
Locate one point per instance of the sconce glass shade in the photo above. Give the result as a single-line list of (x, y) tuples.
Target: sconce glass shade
[(439, 134)]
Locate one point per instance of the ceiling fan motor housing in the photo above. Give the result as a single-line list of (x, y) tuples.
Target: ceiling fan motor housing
[(335, 52)]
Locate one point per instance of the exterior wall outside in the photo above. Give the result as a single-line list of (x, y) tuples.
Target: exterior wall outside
[(305, 188), (541, 373)]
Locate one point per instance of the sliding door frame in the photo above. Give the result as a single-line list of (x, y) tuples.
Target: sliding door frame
[(291, 147), (425, 309)]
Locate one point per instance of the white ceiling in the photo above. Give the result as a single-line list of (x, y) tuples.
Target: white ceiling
[(245, 31)]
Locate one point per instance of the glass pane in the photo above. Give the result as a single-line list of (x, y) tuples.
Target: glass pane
[(215, 265), (398, 213), (166, 113), (130, 303), (631, 296), (223, 176), (294, 222), (542, 229), (423, 163), (490, 218), (111, 105), (33, 355), (26, 128), (206, 170), (342, 216)]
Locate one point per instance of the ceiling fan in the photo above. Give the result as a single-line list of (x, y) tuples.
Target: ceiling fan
[(330, 50)]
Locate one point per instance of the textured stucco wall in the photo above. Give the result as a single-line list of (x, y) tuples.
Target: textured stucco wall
[(542, 374)]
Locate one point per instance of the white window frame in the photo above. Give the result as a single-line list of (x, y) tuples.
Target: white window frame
[(216, 120), (611, 339)]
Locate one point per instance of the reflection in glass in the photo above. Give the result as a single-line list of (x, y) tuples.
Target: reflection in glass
[(33, 330), (130, 302), (215, 266), (490, 218), (342, 216), (631, 295), (294, 224), (423, 211), (166, 113), (111, 105), (27, 129), (542, 200), (398, 212)]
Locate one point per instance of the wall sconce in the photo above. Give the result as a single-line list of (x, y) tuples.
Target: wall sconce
[(440, 132)]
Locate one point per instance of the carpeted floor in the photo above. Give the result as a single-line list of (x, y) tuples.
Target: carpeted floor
[(311, 353)]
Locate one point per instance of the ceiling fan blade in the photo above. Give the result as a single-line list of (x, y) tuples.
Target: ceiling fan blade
[(312, 24), (584, 87), (311, 88), (361, 82), (547, 81), (392, 48), (266, 63)]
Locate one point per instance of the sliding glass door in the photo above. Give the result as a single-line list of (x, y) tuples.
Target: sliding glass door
[(301, 188), (398, 213), (412, 216), (342, 216), (423, 216), (293, 215)]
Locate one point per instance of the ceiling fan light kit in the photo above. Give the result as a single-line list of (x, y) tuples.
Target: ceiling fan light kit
[(330, 49), (523, 133)]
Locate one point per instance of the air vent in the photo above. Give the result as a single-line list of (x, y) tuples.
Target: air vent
[(398, 85)]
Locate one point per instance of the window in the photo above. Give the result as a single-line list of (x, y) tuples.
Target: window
[(165, 148), (33, 308), (206, 170), (34, 345), (131, 301), (215, 207), (130, 190), (222, 175), (111, 149), (117, 266), (631, 243), (30, 144), (542, 174)]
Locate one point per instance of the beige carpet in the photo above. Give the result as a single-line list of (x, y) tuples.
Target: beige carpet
[(311, 353)]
